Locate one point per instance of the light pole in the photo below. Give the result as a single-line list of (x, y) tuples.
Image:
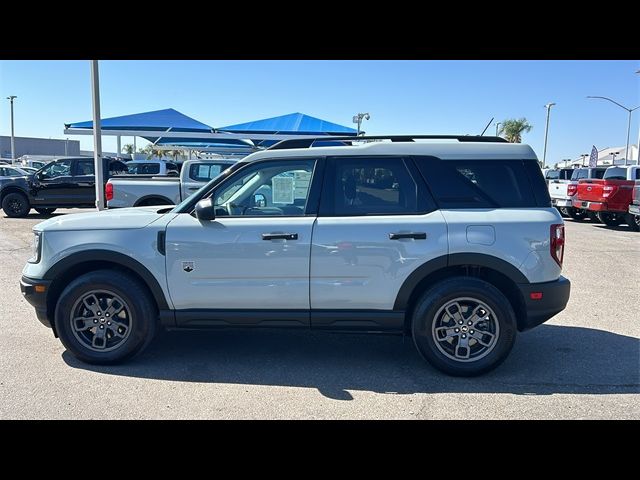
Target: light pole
[(358, 119), (546, 133), (13, 138), (613, 156), (630, 110), (584, 155), (497, 125)]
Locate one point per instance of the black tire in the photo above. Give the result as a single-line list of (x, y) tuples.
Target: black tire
[(564, 211), (593, 216), (611, 219), (45, 211), (16, 205), (428, 311), (577, 213), (153, 202), (634, 222), (140, 307)]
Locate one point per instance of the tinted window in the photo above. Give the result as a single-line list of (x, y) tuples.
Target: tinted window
[(61, 168), (616, 173), (279, 188), (374, 186), (204, 172), (483, 183), (150, 168), (85, 167), (553, 174), (638, 174), (565, 174), (579, 173)]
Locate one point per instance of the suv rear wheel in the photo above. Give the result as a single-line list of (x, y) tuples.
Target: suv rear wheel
[(464, 326), (634, 222), (105, 317)]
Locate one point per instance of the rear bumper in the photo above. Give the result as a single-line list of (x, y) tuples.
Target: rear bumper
[(37, 299), (634, 209), (555, 296), (561, 202), (598, 206)]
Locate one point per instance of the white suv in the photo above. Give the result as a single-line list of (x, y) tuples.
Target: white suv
[(451, 240)]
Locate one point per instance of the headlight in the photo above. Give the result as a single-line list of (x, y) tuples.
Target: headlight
[(36, 248)]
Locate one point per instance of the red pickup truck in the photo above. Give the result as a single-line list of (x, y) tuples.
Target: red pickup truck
[(609, 197), (634, 208)]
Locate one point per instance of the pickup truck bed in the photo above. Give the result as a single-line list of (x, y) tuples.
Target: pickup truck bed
[(145, 190)]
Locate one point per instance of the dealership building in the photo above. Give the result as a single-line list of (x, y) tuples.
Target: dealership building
[(38, 146)]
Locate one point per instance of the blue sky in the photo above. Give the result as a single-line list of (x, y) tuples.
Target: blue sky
[(427, 97)]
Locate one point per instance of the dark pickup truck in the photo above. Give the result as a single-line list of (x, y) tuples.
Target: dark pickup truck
[(63, 183)]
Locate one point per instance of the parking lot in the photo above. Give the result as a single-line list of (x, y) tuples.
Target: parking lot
[(584, 363)]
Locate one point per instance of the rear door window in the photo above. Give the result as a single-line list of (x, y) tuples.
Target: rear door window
[(203, 172), (484, 183)]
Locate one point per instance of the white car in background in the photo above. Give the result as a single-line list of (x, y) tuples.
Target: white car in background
[(11, 171)]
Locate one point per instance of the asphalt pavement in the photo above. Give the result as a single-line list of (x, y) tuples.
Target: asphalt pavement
[(584, 363)]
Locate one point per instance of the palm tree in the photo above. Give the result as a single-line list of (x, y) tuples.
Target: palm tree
[(151, 152), (512, 129), (128, 148), (175, 154)]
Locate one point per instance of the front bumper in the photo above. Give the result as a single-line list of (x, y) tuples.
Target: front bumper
[(37, 298), (634, 209), (561, 202), (555, 296)]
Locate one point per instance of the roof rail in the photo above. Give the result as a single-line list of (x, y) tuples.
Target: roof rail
[(309, 141)]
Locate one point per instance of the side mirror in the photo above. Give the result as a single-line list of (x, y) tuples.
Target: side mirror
[(205, 210), (259, 200)]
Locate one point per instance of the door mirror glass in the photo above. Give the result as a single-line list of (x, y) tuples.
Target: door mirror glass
[(259, 200), (205, 210)]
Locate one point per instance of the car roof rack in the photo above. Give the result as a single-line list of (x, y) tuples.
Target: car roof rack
[(309, 141)]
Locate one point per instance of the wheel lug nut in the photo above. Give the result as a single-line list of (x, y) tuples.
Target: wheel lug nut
[(99, 313), (457, 330), (95, 320), (463, 335), (470, 331), (101, 326), (107, 314), (469, 323), (460, 322), (108, 323)]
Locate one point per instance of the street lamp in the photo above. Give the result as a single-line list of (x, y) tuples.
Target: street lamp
[(630, 110), (546, 133), (497, 124), (613, 156), (13, 138), (358, 119), (584, 155)]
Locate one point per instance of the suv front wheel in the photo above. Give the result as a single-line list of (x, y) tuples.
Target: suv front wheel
[(105, 317), (464, 326)]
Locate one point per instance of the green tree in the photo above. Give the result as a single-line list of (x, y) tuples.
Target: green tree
[(175, 154), (512, 129), (151, 152), (128, 148)]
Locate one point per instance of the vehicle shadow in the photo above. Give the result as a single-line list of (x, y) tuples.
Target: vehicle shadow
[(548, 360), (34, 216), (620, 228)]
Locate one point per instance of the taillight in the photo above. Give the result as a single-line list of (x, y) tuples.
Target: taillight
[(572, 189), (108, 191), (557, 242), (609, 190)]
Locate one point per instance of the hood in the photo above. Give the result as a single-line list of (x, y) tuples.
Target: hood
[(116, 219)]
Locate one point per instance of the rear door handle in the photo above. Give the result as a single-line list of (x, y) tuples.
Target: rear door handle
[(194, 188), (279, 236), (414, 235)]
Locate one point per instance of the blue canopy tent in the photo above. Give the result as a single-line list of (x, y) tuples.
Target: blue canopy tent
[(146, 124), (291, 124)]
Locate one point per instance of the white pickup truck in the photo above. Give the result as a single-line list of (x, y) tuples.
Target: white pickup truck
[(141, 190), (563, 189)]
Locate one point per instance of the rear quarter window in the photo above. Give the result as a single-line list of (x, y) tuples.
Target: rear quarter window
[(485, 183), (203, 172)]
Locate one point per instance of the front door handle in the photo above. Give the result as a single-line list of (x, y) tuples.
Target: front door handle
[(279, 236), (414, 235)]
